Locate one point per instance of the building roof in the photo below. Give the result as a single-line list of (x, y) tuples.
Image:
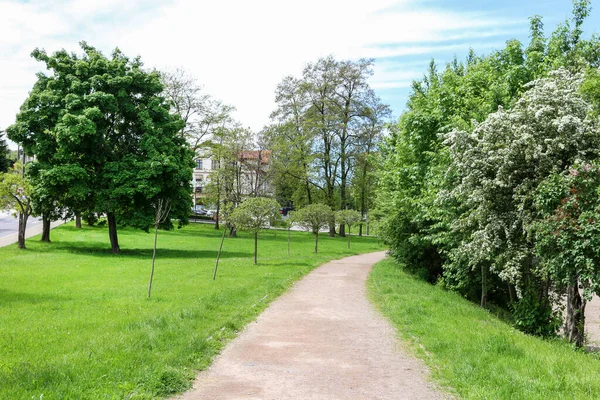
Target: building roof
[(263, 155)]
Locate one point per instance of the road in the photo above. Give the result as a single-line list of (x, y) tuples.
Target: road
[(9, 224)]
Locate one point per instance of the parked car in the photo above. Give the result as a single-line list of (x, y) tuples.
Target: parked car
[(198, 211), (210, 213)]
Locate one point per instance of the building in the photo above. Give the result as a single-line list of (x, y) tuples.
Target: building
[(201, 177), (255, 173), (254, 166)]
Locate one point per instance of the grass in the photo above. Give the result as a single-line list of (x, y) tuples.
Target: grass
[(473, 352), (75, 322)]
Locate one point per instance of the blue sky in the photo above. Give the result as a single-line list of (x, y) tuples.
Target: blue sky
[(239, 50), (515, 13)]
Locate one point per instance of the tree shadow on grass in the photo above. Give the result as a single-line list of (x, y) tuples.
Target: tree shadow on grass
[(8, 297), (102, 250)]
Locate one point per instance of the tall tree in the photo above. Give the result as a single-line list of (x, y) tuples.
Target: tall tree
[(292, 143), (319, 81), (201, 113), (104, 120), (317, 139), (368, 143), (227, 179)]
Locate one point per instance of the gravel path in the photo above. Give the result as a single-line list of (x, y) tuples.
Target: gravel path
[(321, 340)]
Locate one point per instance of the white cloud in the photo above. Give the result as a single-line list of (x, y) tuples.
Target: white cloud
[(239, 50)]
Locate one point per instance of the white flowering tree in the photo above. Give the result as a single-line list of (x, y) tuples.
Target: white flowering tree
[(500, 165)]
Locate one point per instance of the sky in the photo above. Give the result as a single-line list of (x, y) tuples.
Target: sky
[(239, 50)]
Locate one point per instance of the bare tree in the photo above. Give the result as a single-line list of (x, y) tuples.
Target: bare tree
[(201, 112)]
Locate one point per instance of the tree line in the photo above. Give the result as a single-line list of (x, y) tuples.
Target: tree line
[(110, 141), (488, 184)]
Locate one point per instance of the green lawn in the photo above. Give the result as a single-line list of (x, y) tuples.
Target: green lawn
[(473, 352), (75, 322)]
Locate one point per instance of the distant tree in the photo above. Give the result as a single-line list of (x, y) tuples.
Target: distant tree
[(314, 217), (15, 194), (226, 178), (374, 226), (253, 215), (104, 120), (325, 121), (201, 113), (349, 218)]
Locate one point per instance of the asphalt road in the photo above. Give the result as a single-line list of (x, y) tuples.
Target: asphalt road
[(10, 224)]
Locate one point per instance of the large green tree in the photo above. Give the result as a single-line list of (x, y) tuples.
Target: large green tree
[(100, 122)]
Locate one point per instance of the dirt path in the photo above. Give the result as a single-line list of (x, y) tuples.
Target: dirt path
[(321, 340)]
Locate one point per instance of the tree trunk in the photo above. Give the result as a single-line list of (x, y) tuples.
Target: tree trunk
[(574, 325), (219, 253), (45, 228), (78, 220), (153, 258), (217, 214), (232, 231), (317, 242), (363, 203), (112, 233), (22, 228), (348, 236), (483, 286), (332, 226), (255, 245)]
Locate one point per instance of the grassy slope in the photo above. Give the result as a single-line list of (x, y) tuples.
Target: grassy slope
[(75, 322), (472, 351)]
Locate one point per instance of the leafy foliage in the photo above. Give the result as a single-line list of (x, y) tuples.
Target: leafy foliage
[(458, 177), (104, 139), (254, 214), (314, 217)]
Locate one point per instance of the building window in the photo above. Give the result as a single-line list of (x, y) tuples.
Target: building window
[(199, 164)]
